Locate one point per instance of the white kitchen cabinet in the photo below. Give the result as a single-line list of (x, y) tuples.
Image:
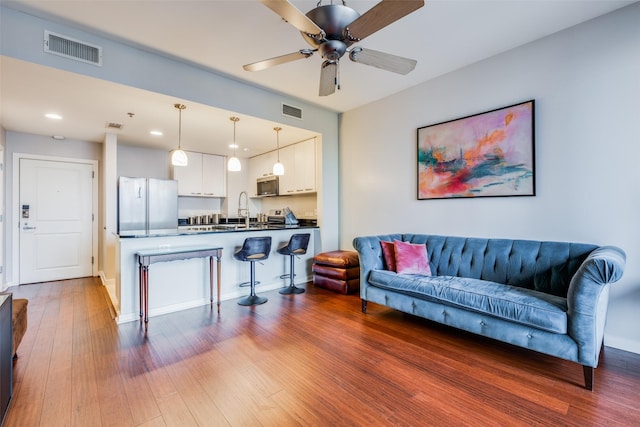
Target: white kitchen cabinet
[(305, 162), (259, 167), (204, 176), (287, 182), (189, 177), (214, 175), (299, 162), (264, 164)]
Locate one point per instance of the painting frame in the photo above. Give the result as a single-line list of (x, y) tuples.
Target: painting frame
[(488, 154)]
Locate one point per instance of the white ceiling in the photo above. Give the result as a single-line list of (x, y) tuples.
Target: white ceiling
[(442, 36)]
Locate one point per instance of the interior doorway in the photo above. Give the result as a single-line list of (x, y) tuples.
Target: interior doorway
[(56, 221)]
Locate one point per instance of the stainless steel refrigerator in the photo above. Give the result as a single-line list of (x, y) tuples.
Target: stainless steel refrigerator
[(147, 206)]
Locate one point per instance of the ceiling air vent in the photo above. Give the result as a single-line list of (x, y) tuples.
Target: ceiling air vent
[(72, 49), (112, 125), (291, 111)]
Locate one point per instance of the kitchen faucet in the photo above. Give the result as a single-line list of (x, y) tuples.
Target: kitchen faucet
[(246, 207)]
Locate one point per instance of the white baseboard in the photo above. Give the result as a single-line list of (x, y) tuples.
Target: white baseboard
[(238, 293), (621, 343), (163, 310), (110, 285)]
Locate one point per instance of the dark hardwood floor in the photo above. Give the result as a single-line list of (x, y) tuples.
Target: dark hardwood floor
[(309, 359)]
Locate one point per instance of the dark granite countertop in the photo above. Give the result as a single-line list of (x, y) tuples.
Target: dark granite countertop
[(220, 228)]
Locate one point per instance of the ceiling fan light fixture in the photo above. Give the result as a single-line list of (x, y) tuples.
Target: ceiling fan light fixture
[(332, 50), (178, 156), (234, 165)]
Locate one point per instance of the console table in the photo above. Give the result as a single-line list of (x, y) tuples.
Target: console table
[(152, 256)]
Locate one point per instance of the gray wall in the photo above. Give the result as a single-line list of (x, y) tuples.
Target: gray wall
[(156, 164), (586, 84)]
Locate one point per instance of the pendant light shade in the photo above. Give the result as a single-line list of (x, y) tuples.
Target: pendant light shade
[(178, 156), (278, 168), (233, 165)]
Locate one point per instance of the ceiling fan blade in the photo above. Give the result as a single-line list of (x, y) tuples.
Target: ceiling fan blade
[(379, 16), (293, 16), (328, 78), (283, 59), (384, 61)]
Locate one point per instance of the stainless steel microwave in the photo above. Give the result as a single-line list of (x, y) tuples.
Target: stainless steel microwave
[(267, 186)]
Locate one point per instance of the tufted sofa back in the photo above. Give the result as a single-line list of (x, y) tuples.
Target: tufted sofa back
[(543, 266)]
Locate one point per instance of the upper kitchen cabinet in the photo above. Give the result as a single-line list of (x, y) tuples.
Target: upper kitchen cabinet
[(262, 166), (287, 182), (204, 176), (259, 167), (299, 162)]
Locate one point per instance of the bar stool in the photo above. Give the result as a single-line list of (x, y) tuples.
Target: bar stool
[(253, 249), (297, 246)]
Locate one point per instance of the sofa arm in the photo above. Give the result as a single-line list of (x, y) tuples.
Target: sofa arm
[(588, 298), (371, 258), (370, 255)]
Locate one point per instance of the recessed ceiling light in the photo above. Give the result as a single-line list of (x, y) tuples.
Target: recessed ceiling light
[(233, 145), (156, 133), (58, 137), (53, 116)]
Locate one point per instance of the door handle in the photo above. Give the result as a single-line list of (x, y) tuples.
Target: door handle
[(28, 228)]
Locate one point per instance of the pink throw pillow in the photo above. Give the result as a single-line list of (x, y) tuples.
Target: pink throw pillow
[(389, 253), (411, 258)]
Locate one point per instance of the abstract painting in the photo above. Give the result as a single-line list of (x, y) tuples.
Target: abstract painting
[(489, 154)]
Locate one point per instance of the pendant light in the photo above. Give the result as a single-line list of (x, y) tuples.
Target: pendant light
[(278, 168), (179, 157), (234, 163)]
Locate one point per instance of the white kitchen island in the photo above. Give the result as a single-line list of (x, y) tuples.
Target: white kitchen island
[(183, 284)]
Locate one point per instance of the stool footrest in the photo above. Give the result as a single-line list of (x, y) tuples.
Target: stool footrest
[(245, 284)]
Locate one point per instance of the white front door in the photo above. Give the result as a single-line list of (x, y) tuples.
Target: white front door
[(56, 220)]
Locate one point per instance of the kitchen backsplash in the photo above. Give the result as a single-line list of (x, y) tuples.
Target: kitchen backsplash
[(192, 206), (303, 206)]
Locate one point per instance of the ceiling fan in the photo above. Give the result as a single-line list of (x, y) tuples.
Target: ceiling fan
[(332, 29)]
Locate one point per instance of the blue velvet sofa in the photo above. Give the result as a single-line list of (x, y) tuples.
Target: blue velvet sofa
[(550, 297)]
